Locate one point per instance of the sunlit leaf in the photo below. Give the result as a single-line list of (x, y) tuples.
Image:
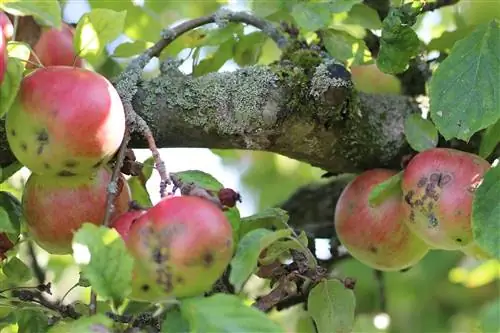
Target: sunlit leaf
[(420, 133)]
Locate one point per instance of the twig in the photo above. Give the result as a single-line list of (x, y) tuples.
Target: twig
[(379, 276), (431, 6), (93, 303), (66, 311), (37, 270)]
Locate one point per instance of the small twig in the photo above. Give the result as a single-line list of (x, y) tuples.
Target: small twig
[(37, 270), (69, 290), (431, 6), (93, 303), (66, 311), (379, 276)]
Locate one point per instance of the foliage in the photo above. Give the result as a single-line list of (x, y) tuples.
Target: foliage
[(274, 265)]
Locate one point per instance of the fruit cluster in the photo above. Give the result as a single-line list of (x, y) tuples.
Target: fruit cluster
[(65, 125), (429, 208)]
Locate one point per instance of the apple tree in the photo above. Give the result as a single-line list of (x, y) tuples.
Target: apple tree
[(386, 114)]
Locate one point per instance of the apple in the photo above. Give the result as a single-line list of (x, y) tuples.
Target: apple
[(376, 235), (6, 31), (370, 79), (181, 246), (65, 121), (55, 47), (122, 223), (55, 207), (438, 186)]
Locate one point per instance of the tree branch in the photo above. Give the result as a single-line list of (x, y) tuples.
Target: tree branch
[(432, 6)]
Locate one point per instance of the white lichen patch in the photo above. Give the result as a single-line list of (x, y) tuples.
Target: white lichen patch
[(322, 81)]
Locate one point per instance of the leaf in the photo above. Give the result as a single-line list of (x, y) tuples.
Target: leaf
[(109, 269), (199, 178), (225, 313), (98, 323), (30, 321), (385, 189), (215, 61), (332, 306), (448, 39), (12, 206), (16, 270), (489, 140), (247, 254), (126, 50), (486, 213), (340, 44), (249, 48), (5, 223), (279, 248), (398, 43), (10, 85), (10, 170), (311, 16), (420, 133), (233, 215), (48, 11), (489, 317), (463, 90), (97, 28), (215, 37), (175, 322), (340, 6), (83, 281), (363, 15), (19, 50), (267, 218)]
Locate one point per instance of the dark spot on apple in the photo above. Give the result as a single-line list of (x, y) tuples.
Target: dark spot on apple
[(13, 132), (422, 182), (435, 178), (156, 255), (39, 150), (404, 270), (418, 203), (46, 165), (430, 205), (165, 279), (408, 197), (42, 136), (145, 288), (180, 280), (433, 221), (459, 240), (98, 164), (229, 243), (445, 179), (373, 249), (24, 146), (412, 216), (208, 258), (66, 173), (70, 163)]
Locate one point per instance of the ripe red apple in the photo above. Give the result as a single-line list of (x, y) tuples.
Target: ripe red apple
[(181, 246), (376, 235), (438, 186), (5, 245), (65, 121), (55, 207), (6, 31), (55, 47), (122, 223)]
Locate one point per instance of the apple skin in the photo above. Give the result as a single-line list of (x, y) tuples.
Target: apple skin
[(370, 79), (6, 31), (55, 207), (376, 236), (5, 245), (181, 246), (438, 186), (55, 47), (65, 121), (123, 222)]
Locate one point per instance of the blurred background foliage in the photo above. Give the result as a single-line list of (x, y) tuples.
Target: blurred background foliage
[(447, 292)]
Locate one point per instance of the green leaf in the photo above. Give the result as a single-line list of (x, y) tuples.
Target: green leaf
[(448, 39), (267, 218), (12, 206), (489, 317), (98, 323), (225, 313), (48, 11), (486, 213), (365, 16), (280, 248), (249, 48), (463, 90), (247, 254), (340, 6), (19, 50), (109, 269), (139, 192), (10, 85), (332, 306), (385, 189), (199, 178), (420, 133), (30, 321), (216, 60), (340, 44), (399, 42), (126, 50), (175, 322), (489, 140), (311, 16), (96, 29), (216, 37), (16, 270), (83, 281), (233, 215), (5, 223)]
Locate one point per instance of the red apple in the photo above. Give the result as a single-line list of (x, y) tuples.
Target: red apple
[(376, 235), (122, 223), (55, 207), (6, 31), (181, 246), (65, 121), (5, 245), (55, 47), (438, 186)]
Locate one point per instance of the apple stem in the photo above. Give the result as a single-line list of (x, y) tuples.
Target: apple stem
[(379, 277)]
